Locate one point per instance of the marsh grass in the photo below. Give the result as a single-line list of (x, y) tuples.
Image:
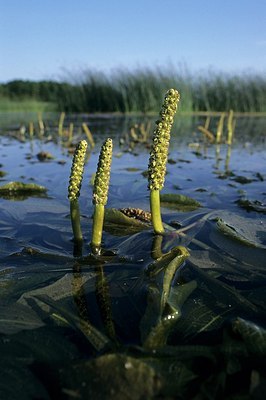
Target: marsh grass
[(138, 90), (220, 92)]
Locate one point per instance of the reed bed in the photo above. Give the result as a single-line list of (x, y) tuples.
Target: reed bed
[(141, 90)]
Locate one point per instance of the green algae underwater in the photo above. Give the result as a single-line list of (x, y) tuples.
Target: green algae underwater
[(171, 315)]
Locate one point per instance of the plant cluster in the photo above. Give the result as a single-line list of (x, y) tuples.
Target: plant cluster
[(156, 171)]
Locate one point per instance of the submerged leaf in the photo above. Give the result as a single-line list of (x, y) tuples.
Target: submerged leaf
[(169, 273), (97, 339), (159, 333), (176, 374), (253, 335), (240, 232), (179, 294), (104, 301), (179, 202), (17, 317), (178, 252), (162, 313), (206, 259), (62, 288), (19, 383), (152, 312), (48, 344), (111, 376), (200, 317), (116, 222), (164, 306)]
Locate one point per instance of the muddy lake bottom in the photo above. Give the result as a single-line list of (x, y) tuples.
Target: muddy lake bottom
[(78, 326)]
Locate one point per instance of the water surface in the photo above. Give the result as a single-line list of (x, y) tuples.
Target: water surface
[(73, 315)]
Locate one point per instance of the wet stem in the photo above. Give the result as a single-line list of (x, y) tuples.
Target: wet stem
[(75, 220), (156, 211), (97, 228)]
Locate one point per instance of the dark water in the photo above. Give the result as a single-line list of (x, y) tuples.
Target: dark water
[(81, 327)]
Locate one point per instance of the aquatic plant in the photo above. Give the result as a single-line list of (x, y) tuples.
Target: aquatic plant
[(75, 181), (20, 191), (205, 130), (61, 123), (143, 319), (159, 154), (230, 127), (40, 123), (208, 134), (31, 129), (219, 131), (100, 193), (70, 132), (88, 134), (13, 188)]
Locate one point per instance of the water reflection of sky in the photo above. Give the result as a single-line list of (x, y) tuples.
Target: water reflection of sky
[(215, 175)]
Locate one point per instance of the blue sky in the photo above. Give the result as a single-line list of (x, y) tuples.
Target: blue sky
[(42, 39)]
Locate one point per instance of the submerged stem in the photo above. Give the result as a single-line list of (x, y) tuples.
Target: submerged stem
[(75, 220)]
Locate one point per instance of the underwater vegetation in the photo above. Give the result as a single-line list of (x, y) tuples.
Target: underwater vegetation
[(108, 302)]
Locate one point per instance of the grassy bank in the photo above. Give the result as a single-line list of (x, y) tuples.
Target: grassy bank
[(8, 104), (139, 90)]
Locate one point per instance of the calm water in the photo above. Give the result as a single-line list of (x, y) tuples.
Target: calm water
[(66, 323)]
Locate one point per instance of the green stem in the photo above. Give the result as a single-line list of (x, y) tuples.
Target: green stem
[(156, 211), (75, 220), (156, 251), (97, 228)]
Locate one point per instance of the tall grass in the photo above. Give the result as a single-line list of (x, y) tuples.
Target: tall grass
[(126, 91), (220, 92), (142, 90)]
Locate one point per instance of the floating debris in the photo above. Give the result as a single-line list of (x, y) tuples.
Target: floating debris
[(2, 174), (250, 205), (44, 156)]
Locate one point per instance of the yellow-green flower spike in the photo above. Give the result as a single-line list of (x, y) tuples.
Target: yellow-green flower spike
[(102, 178), (75, 181), (77, 168), (100, 193), (161, 138), (159, 155)]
